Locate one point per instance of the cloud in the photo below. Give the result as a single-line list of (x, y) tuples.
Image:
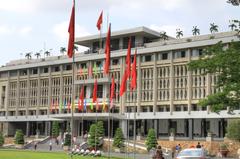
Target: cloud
[(61, 31), (12, 30)]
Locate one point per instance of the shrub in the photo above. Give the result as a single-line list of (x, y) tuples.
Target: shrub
[(1, 139), (19, 137), (233, 129), (67, 140), (55, 129), (118, 139), (93, 140), (151, 140), (100, 129)]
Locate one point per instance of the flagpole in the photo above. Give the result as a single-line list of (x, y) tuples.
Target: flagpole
[(73, 86)]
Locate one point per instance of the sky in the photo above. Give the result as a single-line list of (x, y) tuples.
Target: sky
[(35, 25)]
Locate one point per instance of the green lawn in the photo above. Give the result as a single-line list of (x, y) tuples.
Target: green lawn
[(19, 154)]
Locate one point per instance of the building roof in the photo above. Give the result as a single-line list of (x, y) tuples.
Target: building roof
[(144, 31)]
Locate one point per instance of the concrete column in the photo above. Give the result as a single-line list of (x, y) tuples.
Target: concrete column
[(208, 91), (171, 89), (61, 87), (156, 126), (28, 129), (123, 126), (17, 94), (38, 93), (139, 84), (189, 84), (155, 84), (28, 93), (7, 96), (49, 90), (190, 128)]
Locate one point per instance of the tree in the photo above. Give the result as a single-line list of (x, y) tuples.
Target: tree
[(67, 141), (47, 53), (37, 54), (55, 129), (1, 139), (100, 129), (232, 26), (233, 129), (225, 63), (163, 35), (195, 30), (151, 140), (118, 139), (234, 2), (213, 28), (62, 50), (28, 55), (179, 33), (75, 48), (19, 137), (93, 140)]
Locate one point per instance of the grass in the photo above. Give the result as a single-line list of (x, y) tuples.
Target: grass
[(21, 154)]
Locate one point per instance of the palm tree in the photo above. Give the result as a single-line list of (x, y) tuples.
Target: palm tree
[(232, 26), (37, 54), (28, 55), (179, 33), (47, 53), (213, 28), (75, 48), (62, 50), (195, 30), (163, 35)]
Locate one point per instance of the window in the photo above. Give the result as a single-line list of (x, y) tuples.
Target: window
[(99, 63), (180, 54), (34, 71), (194, 107), (23, 72), (56, 69), (115, 61), (67, 67), (13, 73), (115, 44), (125, 42), (177, 108), (196, 52), (83, 65), (45, 70), (164, 56), (147, 58)]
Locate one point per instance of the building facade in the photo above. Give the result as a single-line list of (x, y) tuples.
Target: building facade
[(36, 92)]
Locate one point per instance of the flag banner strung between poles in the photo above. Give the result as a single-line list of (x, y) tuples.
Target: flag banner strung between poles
[(60, 105), (91, 105), (134, 72), (99, 22), (107, 51), (71, 31), (104, 105), (52, 105), (65, 104), (69, 105), (82, 98), (85, 104)]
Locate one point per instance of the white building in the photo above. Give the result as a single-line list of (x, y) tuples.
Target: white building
[(166, 96)]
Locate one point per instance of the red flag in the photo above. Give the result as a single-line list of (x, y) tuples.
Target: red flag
[(128, 59), (100, 20), (123, 83), (90, 71), (69, 105), (107, 50), (80, 71), (112, 89), (71, 31), (81, 99), (134, 72), (95, 91)]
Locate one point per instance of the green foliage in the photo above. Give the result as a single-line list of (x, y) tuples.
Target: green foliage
[(118, 139), (100, 129), (93, 140), (19, 137), (233, 129), (225, 64), (67, 141), (55, 129), (1, 139), (151, 140)]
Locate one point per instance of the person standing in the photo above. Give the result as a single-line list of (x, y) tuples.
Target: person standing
[(50, 145), (198, 145), (35, 145)]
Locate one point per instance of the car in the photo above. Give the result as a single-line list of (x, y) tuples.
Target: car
[(192, 153)]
